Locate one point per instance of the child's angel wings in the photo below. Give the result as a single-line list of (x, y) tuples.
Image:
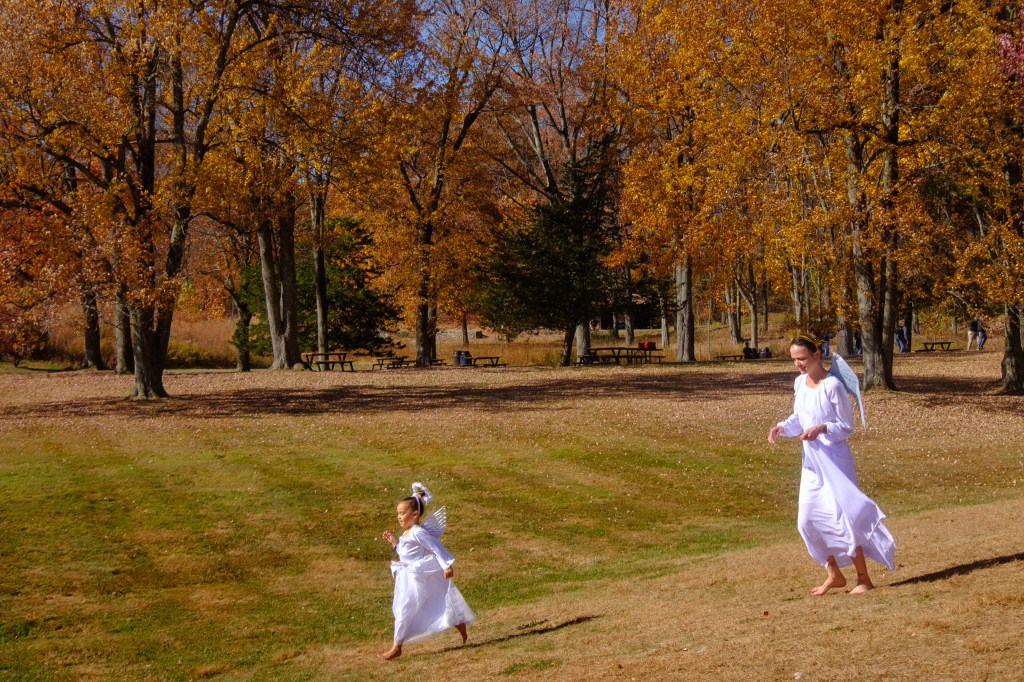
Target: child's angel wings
[(436, 522), (848, 378)]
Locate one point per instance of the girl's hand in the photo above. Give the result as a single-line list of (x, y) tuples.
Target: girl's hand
[(773, 433), (390, 537), (449, 572)]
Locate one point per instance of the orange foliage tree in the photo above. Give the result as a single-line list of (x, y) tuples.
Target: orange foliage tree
[(438, 89)]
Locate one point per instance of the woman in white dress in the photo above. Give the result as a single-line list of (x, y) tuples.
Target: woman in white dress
[(426, 600), (839, 524)]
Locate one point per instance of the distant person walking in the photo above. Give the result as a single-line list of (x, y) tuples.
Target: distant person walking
[(901, 338), (839, 524), (973, 329), (982, 336)]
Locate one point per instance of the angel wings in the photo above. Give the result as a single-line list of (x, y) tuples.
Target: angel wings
[(848, 378), (436, 522)]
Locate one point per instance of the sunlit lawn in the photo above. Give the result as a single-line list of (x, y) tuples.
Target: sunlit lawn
[(232, 528)]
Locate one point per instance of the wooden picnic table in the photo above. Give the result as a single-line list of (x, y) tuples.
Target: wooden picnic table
[(327, 361), (618, 354), (737, 356), (399, 361), (932, 345), (489, 360), (392, 362)]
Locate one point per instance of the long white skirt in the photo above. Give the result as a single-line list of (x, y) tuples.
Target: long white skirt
[(426, 602), (835, 517)]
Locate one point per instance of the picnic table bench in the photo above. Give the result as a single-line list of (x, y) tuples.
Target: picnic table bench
[(932, 345), (736, 356), (327, 361)]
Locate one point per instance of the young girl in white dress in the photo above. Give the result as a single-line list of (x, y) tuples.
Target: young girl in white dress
[(426, 600), (839, 524)]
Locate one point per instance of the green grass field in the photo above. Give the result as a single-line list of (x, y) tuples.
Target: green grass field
[(233, 531)]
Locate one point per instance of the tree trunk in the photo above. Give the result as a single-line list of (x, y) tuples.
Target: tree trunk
[(582, 339), (888, 322), (422, 334), (425, 333), (278, 274), (465, 329), (869, 315), (242, 338), (844, 339), (271, 291), (664, 325), (630, 333), (289, 287), (243, 360), (748, 291), (908, 324), (565, 358), (797, 292), (432, 313), (615, 326), (684, 312), (844, 334), (93, 356), (320, 280), (316, 214), (890, 112), (1013, 351), (868, 306), (149, 364), (764, 302), (732, 314), (125, 362)]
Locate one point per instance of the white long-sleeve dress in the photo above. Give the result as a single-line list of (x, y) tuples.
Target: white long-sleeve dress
[(834, 517), (425, 601)]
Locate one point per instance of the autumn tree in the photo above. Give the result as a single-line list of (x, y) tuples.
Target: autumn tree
[(436, 93), (984, 198), (681, 106)]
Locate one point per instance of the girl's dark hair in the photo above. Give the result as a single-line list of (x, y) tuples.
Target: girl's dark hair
[(805, 341), (417, 503)]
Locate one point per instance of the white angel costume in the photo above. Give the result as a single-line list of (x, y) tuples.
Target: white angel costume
[(834, 516), (425, 601)]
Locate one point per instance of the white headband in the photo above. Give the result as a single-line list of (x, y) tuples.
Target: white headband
[(421, 495)]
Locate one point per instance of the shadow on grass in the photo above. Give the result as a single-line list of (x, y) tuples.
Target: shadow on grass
[(360, 394), (368, 398), (528, 630), (961, 569)]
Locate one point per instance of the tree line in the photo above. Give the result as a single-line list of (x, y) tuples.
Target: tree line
[(533, 162)]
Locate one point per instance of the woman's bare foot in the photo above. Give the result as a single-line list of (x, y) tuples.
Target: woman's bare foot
[(461, 627), (864, 584), (835, 579), (392, 653)]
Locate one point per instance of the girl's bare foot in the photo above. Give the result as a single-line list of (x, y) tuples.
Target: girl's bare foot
[(461, 627), (835, 579), (392, 653)]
